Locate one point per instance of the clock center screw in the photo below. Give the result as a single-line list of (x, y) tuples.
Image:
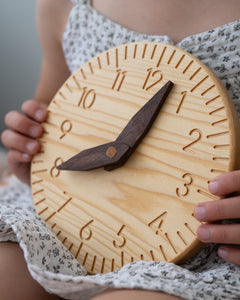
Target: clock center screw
[(111, 152)]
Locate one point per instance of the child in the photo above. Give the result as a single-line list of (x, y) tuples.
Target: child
[(71, 33)]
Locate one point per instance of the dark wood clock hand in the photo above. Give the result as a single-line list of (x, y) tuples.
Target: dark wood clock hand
[(114, 154)]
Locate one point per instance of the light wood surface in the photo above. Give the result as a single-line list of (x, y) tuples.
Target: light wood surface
[(143, 210)]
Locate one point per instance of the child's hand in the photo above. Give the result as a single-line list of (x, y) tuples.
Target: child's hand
[(21, 135), (227, 208)]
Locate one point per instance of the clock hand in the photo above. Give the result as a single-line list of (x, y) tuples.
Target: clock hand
[(140, 124), (114, 154), (142, 121), (96, 157)]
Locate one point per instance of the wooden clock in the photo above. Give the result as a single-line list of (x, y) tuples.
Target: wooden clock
[(109, 210)]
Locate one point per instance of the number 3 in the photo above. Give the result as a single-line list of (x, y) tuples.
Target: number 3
[(186, 185)]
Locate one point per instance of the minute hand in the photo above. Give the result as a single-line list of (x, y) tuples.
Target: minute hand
[(140, 124), (142, 121)]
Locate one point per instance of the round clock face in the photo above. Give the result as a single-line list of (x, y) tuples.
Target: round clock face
[(144, 209)]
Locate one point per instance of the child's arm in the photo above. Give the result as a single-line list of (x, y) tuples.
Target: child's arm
[(227, 208), (24, 127)]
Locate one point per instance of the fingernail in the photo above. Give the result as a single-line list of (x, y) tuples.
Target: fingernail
[(31, 146), (223, 252), (40, 115), (213, 187), (35, 131), (26, 157), (200, 213), (203, 234)]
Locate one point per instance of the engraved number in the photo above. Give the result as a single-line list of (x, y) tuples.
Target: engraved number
[(119, 79), (66, 127), (86, 232), (54, 172), (157, 223), (186, 185), (123, 242), (157, 75), (198, 135), (184, 93), (87, 98)]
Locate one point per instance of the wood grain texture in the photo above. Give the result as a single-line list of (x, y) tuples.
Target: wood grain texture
[(143, 210)]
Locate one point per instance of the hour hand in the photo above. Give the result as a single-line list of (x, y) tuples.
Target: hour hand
[(113, 153)]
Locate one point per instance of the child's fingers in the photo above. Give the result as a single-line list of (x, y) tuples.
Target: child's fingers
[(226, 183), (19, 164), (34, 110), (22, 124), (228, 208), (15, 157), (15, 141), (230, 254), (222, 234)]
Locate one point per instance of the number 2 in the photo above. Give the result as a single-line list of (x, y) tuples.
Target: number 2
[(198, 137)]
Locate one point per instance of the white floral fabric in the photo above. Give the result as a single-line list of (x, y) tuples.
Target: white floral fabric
[(205, 276)]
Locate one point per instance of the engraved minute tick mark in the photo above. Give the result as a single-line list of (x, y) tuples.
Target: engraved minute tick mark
[(163, 252), (90, 68), (170, 243), (116, 56), (153, 51), (179, 62), (213, 99), (40, 201), (93, 263), (189, 228), (216, 110), (37, 181), (208, 89), (199, 83), (38, 192), (76, 82), (219, 121), (39, 171), (126, 52), (195, 73), (68, 87), (85, 259), (49, 217), (83, 73), (182, 238), (135, 51), (171, 57), (37, 161), (62, 95), (161, 57), (78, 250), (103, 264), (108, 59), (144, 51), (99, 63), (187, 67), (217, 134), (42, 211)]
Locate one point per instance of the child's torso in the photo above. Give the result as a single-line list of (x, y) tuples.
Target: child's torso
[(174, 18)]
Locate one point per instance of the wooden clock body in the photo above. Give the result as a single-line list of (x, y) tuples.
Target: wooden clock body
[(143, 210)]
